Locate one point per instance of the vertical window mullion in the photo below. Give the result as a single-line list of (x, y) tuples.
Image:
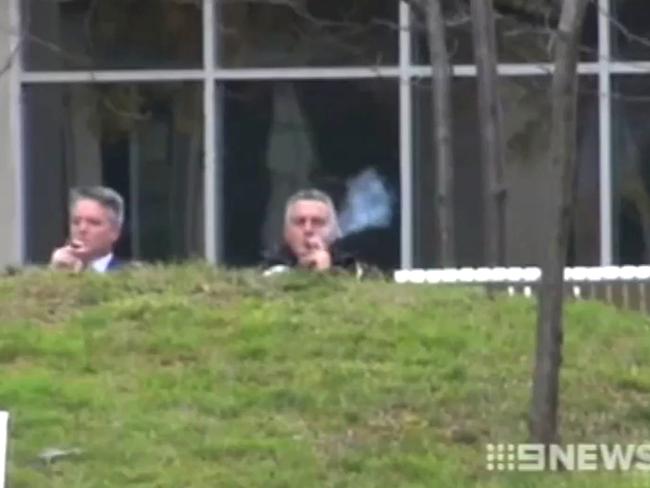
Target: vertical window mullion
[(211, 211), (15, 130), (605, 109), (405, 138)]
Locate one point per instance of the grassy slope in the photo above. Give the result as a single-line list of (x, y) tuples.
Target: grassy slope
[(185, 377)]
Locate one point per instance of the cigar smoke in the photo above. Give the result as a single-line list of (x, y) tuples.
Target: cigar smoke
[(367, 204)]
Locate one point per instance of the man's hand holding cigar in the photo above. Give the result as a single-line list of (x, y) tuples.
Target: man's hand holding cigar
[(70, 256), (316, 256)]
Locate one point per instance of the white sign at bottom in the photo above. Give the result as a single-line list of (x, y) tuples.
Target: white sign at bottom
[(4, 434)]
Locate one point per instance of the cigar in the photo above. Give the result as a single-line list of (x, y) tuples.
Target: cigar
[(315, 244), (74, 244)]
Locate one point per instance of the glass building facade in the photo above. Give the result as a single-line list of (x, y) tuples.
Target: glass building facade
[(207, 114)]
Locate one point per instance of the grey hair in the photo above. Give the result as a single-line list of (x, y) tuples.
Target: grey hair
[(317, 196), (106, 197)]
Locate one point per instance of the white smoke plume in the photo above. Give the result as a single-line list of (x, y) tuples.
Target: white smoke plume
[(367, 204)]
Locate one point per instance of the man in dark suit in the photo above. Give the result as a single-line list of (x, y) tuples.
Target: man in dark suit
[(311, 238), (96, 218)]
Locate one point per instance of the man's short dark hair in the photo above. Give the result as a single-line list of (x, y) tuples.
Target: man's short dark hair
[(106, 197)]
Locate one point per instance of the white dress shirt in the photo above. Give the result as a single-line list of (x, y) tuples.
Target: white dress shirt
[(100, 265)]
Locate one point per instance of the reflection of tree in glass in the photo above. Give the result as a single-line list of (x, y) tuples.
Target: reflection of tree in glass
[(112, 34), (307, 32), (153, 31)]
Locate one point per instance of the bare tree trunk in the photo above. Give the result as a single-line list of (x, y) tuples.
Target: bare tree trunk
[(492, 143), (442, 140), (544, 408)]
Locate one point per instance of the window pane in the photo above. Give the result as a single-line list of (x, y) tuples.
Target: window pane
[(143, 140), (308, 32), (283, 136), (630, 169), (530, 197), (630, 28), (523, 34), (112, 34)]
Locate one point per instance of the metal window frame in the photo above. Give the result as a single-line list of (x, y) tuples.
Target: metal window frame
[(16, 132), (405, 139), (404, 72), (211, 211), (605, 133)]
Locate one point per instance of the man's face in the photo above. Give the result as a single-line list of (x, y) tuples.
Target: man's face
[(94, 227), (309, 224)]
